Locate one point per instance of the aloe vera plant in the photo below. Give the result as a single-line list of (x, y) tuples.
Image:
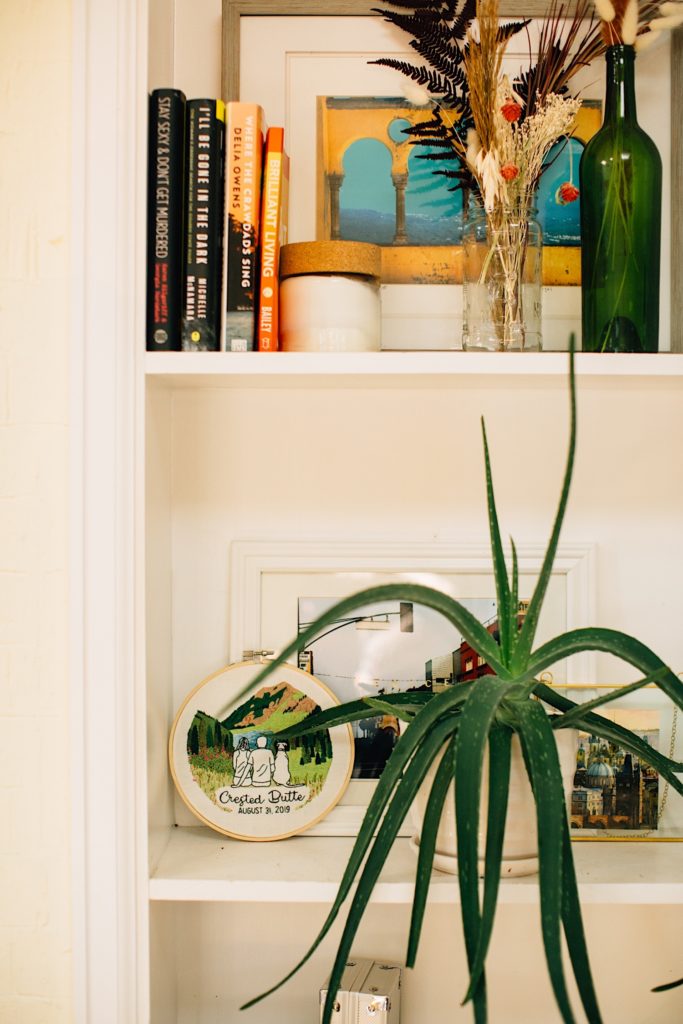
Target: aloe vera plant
[(456, 728)]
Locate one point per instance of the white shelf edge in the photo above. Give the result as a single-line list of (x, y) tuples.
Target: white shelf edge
[(406, 369), (224, 891), (202, 867)]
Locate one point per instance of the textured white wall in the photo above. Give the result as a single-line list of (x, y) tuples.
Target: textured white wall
[(35, 954)]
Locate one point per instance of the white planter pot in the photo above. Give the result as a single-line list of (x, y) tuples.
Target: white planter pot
[(520, 845)]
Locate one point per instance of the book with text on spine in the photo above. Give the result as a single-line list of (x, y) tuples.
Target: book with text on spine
[(243, 163), (165, 178), (273, 236), (203, 236)]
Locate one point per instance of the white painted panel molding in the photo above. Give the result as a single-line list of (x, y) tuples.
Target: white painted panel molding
[(109, 59)]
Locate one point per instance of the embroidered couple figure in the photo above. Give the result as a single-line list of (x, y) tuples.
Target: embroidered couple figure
[(260, 767)]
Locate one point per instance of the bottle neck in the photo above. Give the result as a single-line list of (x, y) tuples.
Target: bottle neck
[(620, 93)]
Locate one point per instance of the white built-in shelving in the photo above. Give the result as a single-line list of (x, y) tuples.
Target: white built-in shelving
[(408, 369), (175, 457)]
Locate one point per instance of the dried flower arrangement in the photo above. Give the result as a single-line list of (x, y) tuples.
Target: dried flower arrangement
[(490, 133), (494, 133)]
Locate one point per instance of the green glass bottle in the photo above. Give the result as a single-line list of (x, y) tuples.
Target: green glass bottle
[(621, 210)]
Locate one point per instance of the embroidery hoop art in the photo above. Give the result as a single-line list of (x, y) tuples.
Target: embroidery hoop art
[(215, 696)]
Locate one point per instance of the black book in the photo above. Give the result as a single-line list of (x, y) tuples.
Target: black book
[(243, 163), (203, 235), (165, 179)]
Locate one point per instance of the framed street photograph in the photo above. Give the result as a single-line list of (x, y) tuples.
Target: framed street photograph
[(278, 586)]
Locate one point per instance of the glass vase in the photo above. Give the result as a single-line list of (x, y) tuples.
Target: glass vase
[(502, 256), (621, 188)]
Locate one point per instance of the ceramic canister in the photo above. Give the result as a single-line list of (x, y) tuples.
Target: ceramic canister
[(330, 297)]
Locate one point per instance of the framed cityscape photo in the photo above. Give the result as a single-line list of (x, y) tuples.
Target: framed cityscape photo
[(618, 795), (234, 773)]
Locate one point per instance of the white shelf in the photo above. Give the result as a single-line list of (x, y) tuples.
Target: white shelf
[(200, 865), (406, 369)]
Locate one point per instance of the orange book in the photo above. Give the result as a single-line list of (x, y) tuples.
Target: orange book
[(273, 235), (243, 164)]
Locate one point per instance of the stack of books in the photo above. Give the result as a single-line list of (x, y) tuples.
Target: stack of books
[(217, 189)]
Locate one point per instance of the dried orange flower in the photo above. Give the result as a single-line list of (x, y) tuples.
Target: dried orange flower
[(511, 111), (567, 193), (509, 172)]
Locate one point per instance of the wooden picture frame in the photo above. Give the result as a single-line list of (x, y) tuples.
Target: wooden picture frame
[(235, 10)]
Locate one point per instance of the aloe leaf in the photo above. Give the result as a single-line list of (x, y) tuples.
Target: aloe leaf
[(397, 710), (398, 808), (575, 935), (668, 985), (499, 567), (528, 631), (476, 719), (568, 719), (357, 710), (340, 714), (499, 784), (423, 724), (615, 733), (514, 593), (543, 766), (463, 620), (611, 641), (437, 797)]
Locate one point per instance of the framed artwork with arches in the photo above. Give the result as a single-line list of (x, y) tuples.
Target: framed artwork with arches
[(374, 186)]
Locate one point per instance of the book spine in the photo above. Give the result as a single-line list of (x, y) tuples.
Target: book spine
[(203, 235), (243, 162), (273, 236), (165, 176)]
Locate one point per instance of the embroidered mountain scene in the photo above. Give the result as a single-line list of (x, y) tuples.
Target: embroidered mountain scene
[(240, 753)]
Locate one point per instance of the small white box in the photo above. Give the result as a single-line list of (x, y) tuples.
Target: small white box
[(369, 993)]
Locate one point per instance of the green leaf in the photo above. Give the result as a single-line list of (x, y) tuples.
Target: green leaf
[(499, 785), (340, 714), (615, 733), (514, 593), (384, 708), (424, 723), (574, 933), (499, 568), (567, 721), (475, 722), (611, 641), (667, 986), (543, 765), (356, 711), (463, 620), (430, 825), (528, 631), (396, 812)]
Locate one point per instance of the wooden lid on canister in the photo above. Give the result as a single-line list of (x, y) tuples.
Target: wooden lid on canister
[(330, 258)]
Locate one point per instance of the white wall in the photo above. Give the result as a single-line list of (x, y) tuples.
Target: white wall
[(35, 933)]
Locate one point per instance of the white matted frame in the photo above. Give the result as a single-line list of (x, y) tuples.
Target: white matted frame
[(440, 313), (268, 577)]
